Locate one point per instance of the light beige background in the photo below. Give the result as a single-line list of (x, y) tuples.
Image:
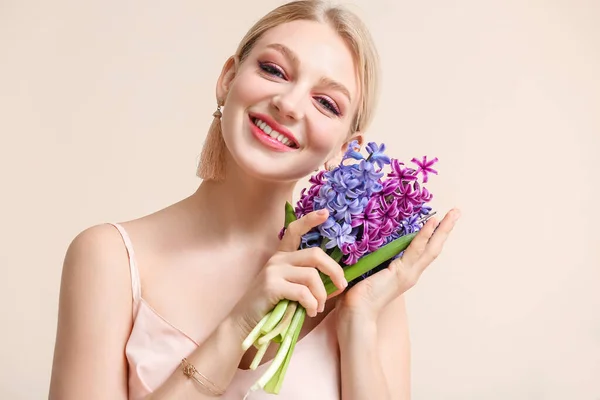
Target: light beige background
[(104, 106)]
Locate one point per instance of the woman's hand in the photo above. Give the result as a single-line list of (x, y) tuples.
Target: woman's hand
[(290, 274), (367, 298)]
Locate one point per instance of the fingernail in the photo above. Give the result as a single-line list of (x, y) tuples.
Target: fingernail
[(456, 215), (322, 211)]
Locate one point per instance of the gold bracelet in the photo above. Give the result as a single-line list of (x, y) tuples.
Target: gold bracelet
[(190, 371)]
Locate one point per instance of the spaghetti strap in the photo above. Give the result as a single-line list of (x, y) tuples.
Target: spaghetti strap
[(136, 285)]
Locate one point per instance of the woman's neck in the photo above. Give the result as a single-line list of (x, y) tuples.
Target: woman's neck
[(241, 208)]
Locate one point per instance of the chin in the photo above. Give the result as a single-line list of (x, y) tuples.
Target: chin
[(258, 165)]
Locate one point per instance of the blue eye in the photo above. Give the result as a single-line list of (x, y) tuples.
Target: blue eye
[(271, 70), (328, 105)]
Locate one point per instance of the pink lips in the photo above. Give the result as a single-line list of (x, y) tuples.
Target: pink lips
[(267, 140)]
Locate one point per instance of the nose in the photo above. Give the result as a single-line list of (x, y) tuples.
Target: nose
[(289, 105)]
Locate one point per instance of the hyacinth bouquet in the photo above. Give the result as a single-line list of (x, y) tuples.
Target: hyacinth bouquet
[(373, 217)]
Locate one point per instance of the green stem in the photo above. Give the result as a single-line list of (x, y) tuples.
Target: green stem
[(281, 353), (276, 316), (275, 383), (259, 355), (255, 333), (282, 327), (372, 260), (336, 254)]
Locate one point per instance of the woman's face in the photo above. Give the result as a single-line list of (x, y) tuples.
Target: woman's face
[(289, 106)]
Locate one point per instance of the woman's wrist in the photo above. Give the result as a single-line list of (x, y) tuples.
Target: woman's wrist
[(238, 325), (216, 360), (355, 327), (234, 329)]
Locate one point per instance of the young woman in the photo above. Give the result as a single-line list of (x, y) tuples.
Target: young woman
[(145, 300)]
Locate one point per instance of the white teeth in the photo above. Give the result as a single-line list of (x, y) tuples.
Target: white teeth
[(273, 133)]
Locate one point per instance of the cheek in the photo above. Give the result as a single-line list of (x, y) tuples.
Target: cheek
[(326, 136), (244, 92), (247, 89)]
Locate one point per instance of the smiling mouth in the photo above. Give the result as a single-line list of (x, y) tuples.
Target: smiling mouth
[(267, 130)]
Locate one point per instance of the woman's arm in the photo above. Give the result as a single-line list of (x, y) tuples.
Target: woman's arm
[(95, 320), (394, 348), (375, 355)]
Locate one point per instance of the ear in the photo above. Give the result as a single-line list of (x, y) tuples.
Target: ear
[(336, 158), (359, 137), (226, 78)]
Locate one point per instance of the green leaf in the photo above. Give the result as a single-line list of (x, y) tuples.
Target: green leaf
[(290, 214), (336, 254), (372, 260)]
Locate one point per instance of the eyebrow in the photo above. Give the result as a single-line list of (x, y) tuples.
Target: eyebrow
[(291, 56)]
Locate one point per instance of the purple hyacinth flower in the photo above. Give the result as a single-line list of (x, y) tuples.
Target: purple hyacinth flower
[(426, 195), (339, 206), (354, 251), (423, 209), (390, 187), (368, 172), (370, 214), (425, 167), (305, 204), (408, 197), (325, 196), (376, 154), (375, 241), (343, 181), (325, 226), (353, 151), (387, 228), (338, 234), (354, 207), (401, 173), (310, 239), (388, 210), (319, 178), (410, 224)]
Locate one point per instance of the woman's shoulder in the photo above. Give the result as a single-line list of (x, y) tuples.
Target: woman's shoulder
[(105, 241), (103, 249), (96, 251)]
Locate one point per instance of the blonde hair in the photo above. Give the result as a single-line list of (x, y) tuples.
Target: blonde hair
[(348, 25)]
